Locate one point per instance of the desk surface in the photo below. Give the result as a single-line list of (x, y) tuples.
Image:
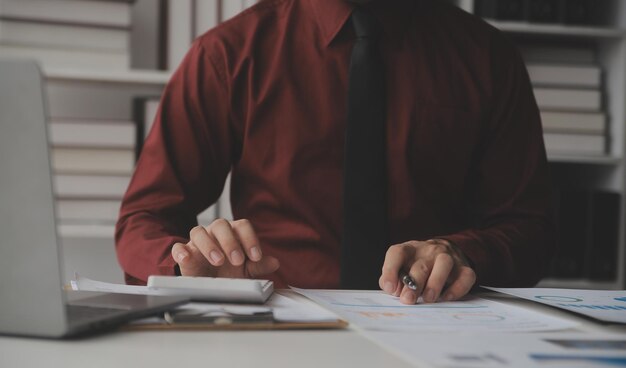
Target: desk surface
[(258, 349)]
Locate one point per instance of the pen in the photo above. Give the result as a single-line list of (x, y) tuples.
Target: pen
[(408, 281)]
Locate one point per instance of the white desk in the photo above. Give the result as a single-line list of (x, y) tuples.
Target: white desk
[(256, 349)]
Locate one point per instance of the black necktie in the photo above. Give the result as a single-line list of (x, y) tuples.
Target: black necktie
[(365, 178)]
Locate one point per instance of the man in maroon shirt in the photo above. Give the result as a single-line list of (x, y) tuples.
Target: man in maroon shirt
[(263, 95)]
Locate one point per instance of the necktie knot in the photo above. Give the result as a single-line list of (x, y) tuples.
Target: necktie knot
[(364, 23)]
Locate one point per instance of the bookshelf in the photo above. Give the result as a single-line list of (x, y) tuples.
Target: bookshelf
[(103, 62), (606, 34)]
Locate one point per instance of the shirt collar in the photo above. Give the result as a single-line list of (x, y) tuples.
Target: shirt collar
[(331, 16)]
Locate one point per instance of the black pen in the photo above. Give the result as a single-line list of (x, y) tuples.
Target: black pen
[(408, 281)]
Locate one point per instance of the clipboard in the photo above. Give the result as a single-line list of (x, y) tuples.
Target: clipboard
[(270, 325), (279, 313)]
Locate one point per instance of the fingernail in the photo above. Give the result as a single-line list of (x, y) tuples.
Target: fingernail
[(180, 256), (388, 287), (255, 253), (216, 257), (408, 297), (236, 257), (429, 296)]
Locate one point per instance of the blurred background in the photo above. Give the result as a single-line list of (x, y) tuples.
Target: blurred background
[(107, 61)]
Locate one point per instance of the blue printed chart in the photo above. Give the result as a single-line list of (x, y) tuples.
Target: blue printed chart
[(604, 305)]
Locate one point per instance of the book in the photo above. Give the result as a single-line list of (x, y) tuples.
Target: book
[(207, 16), (83, 210), (573, 122), (578, 11), (568, 99), (500, 9), (602, 250), (179, 31), (207, 216), (95, 134), (544, 11), (90, 186), (94, 13), (26, 33), (588, 76), (583, 144), (145, 112), (558, 54), (224, 209), (92, 161), (94, 100), (69, 58), (91, 231), (573, 234), (148, 38)]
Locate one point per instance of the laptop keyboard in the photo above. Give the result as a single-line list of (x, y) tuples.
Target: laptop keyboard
[(80, 313)]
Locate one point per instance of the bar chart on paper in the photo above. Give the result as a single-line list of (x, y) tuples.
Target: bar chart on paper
[(604, 305), (376, 310)]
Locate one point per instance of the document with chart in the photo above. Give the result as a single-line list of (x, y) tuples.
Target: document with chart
[(603, 305), (375, 310)]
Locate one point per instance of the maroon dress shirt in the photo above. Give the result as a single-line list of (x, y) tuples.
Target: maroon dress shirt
[(265, 95)]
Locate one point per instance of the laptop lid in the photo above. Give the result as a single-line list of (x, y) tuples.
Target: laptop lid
[(31, 298)]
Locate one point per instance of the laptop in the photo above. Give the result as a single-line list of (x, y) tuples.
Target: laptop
[(32, 300)]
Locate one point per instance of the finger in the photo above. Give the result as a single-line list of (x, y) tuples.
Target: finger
[(395, 289), (263, 267), (247, 238), (395, 259), (207, 245), (191, 261), (179, 253), (461, 285), (420, 271), (408, 296), (438, 276), (223, 233)]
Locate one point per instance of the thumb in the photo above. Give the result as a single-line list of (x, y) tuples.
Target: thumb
[(265, 266)]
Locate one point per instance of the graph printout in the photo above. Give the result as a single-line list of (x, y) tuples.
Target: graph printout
[(604, 305), (376, 310)]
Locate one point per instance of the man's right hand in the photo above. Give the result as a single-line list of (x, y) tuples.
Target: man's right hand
[(223, 249)]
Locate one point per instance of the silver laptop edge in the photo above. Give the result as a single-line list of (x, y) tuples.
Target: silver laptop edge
[(31, 298)]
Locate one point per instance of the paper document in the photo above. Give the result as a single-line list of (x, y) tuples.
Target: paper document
[(604, 305), (285, 309), (376, 310), (204, 289), (496, 350), (84, 284)]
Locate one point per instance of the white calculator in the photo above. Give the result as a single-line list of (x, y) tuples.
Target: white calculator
[(213, 289)]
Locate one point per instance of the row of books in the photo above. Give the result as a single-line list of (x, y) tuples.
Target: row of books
[(588, 235), (568, 86), (94, 142), (544, 11), (109, 34), (96, 133), (67, 33)]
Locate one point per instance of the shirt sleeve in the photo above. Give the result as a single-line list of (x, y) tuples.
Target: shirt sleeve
[(512, 238), (181, 169)]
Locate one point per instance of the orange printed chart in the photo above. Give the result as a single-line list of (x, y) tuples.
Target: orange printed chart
[(375, 310)]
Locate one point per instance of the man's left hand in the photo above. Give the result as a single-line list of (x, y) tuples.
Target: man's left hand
[(433, 264)]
